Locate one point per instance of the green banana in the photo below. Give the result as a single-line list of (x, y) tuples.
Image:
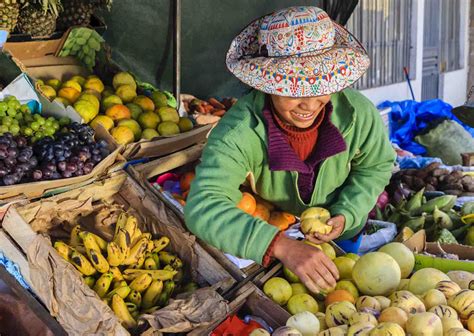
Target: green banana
[(63, 249), (141, 283), (179, 275), (81, 263), (442, 219), (102, 284), (165, 295), (160, 244), (190, 287), (122, 291), (150, 264), (170, 259), (415, 201), (131, 274), (98, 260), (152, 293), (120, 309), (74, 239), (115, 255), (90, 281), (135, 297)]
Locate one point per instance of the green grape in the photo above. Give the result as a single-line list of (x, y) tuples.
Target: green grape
[(27, 131), (41, 121), (56, 125), (25, 108), (3, 107), (35, 126), (37, 116), (34, 138), (11, 112), (48, 123), (15, 129), (29, 119), (3, 129), (2, 114), (39, 134), (52, 119), (7, 121), (15, 122), (63, 121), (14, 104), (10, 98), (49, 131)]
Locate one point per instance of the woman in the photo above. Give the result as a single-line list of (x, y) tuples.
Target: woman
[(300, 139)]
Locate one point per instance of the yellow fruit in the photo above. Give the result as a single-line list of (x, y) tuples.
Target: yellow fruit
[(54, 83), (394, 315), (72, 84), (434, 297), (348, 286), (384, 301), (133, 125), (424, 324), (402, 255), (168, 114), (168, 128), (425, 279), (344, 266), (299, 288), (70, 94), (122, 135), (470, 323), (352, 256), (135, 109), (339, 313), (302, 302), (108, 91), (79, 79), (145, 103), (63, 101), (308, 242), (149, 133), (159, 98), (118, 112), (110, 101), (86, 110), (360, 329), (367, 303), (403, 284), (91, 99), (40, 82), (94, 84), (305, 322), (407, 301), (126, 92), (448, 288), (313, 220), (148, 120), (103, 120), (342, 330), (376, 273), (92, 92), (463, 302), (185, 124), (278, 289), (362, 317), (387, 328), (329, 251), (124, 78), (444, 311), (450, 323), (48, 91), (290, 276)]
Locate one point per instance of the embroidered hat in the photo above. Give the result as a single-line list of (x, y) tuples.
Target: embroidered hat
[(297, 52)]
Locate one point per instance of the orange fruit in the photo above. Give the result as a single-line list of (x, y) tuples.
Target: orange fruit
[(282, 220), (339, 295), (262, 212), (94, 83), (69, 93), (118, 112), (247, 203), (145, 103), (185, 180)]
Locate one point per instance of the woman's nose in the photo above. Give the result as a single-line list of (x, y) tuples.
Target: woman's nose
[(310, 105)]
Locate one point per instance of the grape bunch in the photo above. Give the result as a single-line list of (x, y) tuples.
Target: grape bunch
[(73, 152), (17, 160)]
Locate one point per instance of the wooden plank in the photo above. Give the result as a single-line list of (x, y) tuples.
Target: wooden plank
[(13, 252)]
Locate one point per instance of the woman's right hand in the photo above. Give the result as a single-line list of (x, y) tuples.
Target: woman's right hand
[(315, 270)]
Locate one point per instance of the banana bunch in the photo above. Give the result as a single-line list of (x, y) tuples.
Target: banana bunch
[(132, 273), (83, 43)]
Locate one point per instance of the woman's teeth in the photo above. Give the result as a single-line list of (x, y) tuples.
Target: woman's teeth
[(303, 116)]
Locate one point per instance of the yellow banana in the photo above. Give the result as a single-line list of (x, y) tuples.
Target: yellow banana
[(139, 263), (156, 258), (121, 221), (90, 281), (123, 240), (120, 309), (122, 291), (121, 283), (117, 274), (150, 264), (165, 295), (89, 241), (150, 297), (100, 242), (151, 310), (102, 284), (63, 249), (136, 236), (135, 297), (115, 255), (150, 246), (138, 250), (170, 259), (131, 225), (160, 243), (141, 282), (131, 274), (81, 263), (74, 239), (98, 260)]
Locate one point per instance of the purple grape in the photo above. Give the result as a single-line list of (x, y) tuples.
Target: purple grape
[(83, 156), (3, 147), (79, 172), (3, 172), (3, 154), (21, 141), (9, 179), (96, 158), (62, 165), (37, 174), (9, 161), (72, 167), (13, 152), (56, 176), (80, 165), (51, 166), (33, 161), (47, 174), (66, 174)]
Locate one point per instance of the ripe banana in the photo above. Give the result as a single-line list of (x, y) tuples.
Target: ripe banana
[(81, 263), (100, 242), (170, 259), (121, 283), (150, 264), (98, 260), (120, 309), (150, 246), (63, 249), (89, 241), (150, 297), (115, 255), (138, 250), (122, 291), (160, 244), (136, 236), (102, 284), (139, 263), (121, 221), (165, 295), (74, 239), (123, 240), (131, 225), (90, 281), (117, 274), (135, 297), (131, 274), (141, 282)]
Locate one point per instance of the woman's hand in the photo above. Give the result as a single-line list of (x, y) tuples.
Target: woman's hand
[(310, 264), (337, 223)]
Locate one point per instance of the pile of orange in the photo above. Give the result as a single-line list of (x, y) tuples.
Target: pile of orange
[(258, 207)]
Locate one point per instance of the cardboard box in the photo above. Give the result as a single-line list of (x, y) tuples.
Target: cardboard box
[(438, 258), (144, 171), (60, 286)]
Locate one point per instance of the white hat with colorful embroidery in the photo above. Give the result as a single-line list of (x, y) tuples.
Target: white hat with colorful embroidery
[(297, 52)]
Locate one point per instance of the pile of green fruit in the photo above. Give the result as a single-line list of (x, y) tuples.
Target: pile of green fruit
[(132, 273)]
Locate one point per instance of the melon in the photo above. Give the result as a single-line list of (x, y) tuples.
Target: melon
[(370, 302), (376, 273), (334, 331), (361, 317), (448, 288), (425, 279), (407, 301), (338, 313), (322, 320), (384, 301), (286, 331), (387, 328), (443, 311), (403, 284), (427, 324), (394, 315), (305, 322), (463, 302), (462, 278), (458, 332), (449, 323), (360, 329), (402, 255), (434, 297)]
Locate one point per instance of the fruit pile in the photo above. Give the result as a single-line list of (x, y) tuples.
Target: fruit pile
[(211, 106), (132, 273), (438, 216), (260, 208), (377, 296), (128, 116)]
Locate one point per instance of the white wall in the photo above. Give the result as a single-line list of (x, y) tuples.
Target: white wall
[(455, 82)]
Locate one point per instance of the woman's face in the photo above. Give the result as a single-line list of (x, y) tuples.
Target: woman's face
[(299, 112)]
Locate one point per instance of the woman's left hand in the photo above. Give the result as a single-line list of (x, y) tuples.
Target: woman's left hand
[(337, 223)]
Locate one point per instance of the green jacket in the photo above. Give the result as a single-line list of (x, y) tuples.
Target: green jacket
[(347, 183)]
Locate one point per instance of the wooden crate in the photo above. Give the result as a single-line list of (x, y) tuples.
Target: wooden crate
[(122, 189), (145, 171)]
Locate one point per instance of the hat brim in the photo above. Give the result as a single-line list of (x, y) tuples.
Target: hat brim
[(307, 75)]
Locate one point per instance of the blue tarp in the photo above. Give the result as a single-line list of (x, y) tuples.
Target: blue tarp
[(13, 269), (409, 117)]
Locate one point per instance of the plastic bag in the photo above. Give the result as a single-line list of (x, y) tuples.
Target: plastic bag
[(381, 237), (408, 118)]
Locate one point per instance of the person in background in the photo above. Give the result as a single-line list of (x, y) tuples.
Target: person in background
[(300, 139)]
